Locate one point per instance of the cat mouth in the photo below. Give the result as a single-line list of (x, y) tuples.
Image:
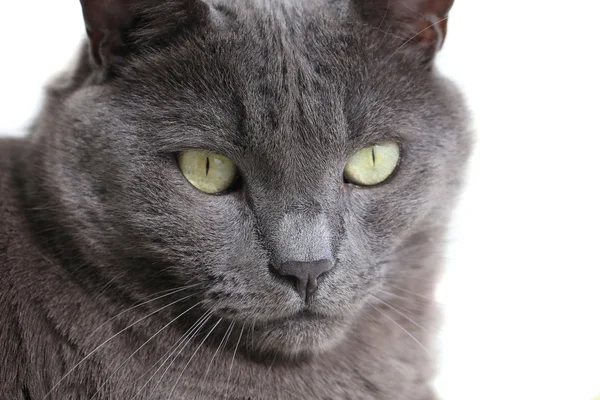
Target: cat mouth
[(303, 316), (300, 334), (309, 315)]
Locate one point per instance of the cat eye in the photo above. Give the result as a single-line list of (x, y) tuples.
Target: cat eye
[(373, 164), (208, 172)]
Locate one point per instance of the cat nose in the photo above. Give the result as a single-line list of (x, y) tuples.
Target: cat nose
[(304, 274)]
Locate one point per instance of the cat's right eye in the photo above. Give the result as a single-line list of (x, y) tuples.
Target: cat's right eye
[(208, 172)]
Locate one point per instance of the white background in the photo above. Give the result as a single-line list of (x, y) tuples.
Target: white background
[(522, 289)]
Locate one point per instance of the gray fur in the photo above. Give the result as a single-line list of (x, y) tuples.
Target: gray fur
[(97, 216), (302, 238)]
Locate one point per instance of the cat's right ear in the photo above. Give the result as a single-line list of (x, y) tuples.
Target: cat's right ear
[(116, 28), (424, 23)]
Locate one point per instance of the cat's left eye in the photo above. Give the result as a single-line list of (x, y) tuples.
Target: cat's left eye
[(208, 172), (372, 165)]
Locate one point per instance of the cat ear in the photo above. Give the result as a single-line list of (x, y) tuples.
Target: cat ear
[(424, 21), (117, 27)]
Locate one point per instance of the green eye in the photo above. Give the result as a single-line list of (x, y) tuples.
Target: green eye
[(208, 172), (373, 164)]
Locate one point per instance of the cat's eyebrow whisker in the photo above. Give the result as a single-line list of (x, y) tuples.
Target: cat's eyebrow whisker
[(108, 340), (233, 359), (170, 293), (403, 329), (140, 347), (192, 357), (223, 340)]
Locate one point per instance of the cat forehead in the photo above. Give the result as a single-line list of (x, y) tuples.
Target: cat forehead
[(242, 99), (265, 81), (262, 80), (279, 9)]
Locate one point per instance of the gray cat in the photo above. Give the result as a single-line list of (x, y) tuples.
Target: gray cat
[(233, 199)]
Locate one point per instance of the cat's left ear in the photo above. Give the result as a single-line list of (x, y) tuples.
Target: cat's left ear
[(116, 28), (423, 22)]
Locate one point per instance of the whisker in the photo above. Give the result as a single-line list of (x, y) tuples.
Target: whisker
[(271, 366), (412, 293), (192, 357), (387, 9), (108, 340), (188, 341), (408, 277), (403, 329), (252, 332), (107, 285), (223, 340), (410, 274), (406, 299), (233, 359), (177, 343), (171, 292), (168, 355), (399, 312), (139, 348)]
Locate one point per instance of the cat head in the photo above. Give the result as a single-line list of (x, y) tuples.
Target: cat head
[(283, 96)]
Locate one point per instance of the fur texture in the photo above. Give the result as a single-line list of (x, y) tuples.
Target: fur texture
[(111, 261)]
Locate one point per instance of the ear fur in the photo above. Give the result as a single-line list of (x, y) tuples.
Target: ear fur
[(424, 21), (116, 28)]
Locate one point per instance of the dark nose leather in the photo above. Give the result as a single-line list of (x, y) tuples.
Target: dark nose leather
[(304, 275)]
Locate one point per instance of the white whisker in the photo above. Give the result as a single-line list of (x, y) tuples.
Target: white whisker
[(139, 348), (223, 340), (167, 355), (252, 334), (191, 337), (412, 293), (107, 285), (401, 327), (399, 312), (108, 340), (403, 298), (192, 357), (233, 359), (171, 292)]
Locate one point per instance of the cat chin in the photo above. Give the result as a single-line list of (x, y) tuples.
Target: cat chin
[(298, 338)]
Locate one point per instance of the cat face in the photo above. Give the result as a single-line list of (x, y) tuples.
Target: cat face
[(289, 104)]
